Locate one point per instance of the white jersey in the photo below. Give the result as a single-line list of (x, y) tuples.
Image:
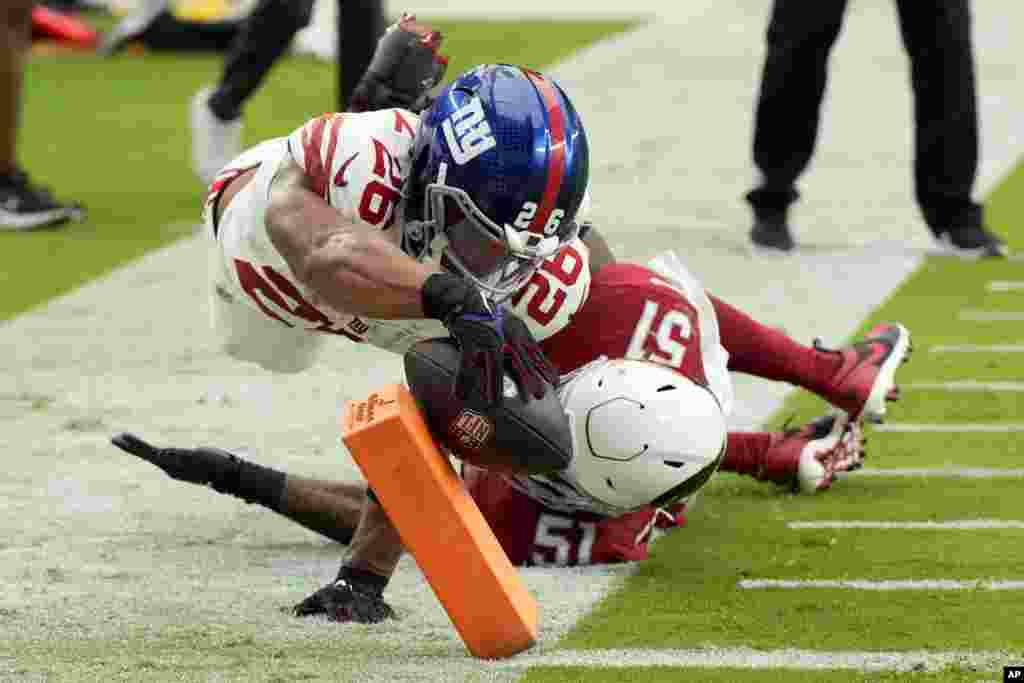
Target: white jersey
[(358, 164)]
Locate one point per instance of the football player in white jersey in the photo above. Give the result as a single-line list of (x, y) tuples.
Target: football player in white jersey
[(387, 227), (330, 231)]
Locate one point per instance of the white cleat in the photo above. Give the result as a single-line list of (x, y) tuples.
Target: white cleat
[(809, 457), (214, 142)]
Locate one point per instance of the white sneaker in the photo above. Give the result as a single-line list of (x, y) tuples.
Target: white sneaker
[(132, 26), (214, 142)]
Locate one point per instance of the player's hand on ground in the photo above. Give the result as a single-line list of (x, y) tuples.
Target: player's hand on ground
[(343, 601), (194, 465), (406, 66)]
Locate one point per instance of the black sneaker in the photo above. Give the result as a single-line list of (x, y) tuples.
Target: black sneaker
[(772, 233), (24, 206), (973, 242)]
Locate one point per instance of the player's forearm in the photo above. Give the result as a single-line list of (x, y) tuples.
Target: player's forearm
[(348, 266), (364, 275)]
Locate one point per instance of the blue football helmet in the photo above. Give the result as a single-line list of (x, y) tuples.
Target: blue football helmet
[(500, 166)]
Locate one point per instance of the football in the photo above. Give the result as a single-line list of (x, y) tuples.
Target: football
[(514, 437)]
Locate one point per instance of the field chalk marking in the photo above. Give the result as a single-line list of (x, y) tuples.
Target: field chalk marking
[(948, 428), (1005, 285), (957, 524), (749, 658), (992, 316), (977, 348), (890, 585), (966, 385), (946, 472)]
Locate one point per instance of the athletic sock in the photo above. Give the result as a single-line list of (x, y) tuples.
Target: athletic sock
[(370, 582), (745, 452), (759, 350)]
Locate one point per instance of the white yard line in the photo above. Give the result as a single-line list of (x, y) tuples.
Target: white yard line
[(977, 348), (1005, 286), (953, 525), (943, 472), (892, 585), (992, 316), (967, 385), (748, 658), (948, 428)]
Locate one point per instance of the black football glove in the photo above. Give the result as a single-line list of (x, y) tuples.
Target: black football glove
[(203, 466), (346, 599), (491, 340), (405, 67)]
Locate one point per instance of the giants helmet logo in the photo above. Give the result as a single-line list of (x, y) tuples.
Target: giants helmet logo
[(471, 430), (467, 132)]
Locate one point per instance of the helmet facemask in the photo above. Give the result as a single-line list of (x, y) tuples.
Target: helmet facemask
[(499, 260)]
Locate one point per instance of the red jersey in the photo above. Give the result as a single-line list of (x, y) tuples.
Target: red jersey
[(534, 535), (631, 311)]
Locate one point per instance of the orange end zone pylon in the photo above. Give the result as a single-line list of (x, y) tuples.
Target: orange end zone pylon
[(440, 524)]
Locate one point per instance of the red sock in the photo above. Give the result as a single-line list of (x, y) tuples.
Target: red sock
[(745, 451), (759, 350)]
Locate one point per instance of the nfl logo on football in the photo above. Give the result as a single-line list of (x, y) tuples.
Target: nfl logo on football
[(471, 429)]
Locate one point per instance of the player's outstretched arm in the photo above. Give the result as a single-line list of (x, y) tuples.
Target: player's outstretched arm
[(347, 264)]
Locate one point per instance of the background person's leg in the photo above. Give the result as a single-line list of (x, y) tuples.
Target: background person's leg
[(937, 36), (799, 40)]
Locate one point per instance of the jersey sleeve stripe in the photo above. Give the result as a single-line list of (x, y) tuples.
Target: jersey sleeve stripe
[(317, 160)]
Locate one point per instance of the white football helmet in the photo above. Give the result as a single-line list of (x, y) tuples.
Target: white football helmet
[(643, 434)]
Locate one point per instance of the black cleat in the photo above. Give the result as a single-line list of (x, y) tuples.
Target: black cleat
[(772, 233), (973, 242), (346, 601), (26, 206)]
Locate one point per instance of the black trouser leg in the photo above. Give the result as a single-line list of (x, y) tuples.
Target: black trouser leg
[(800, 38), (360, 24), (264, 36), (167, 32), (937, 36)]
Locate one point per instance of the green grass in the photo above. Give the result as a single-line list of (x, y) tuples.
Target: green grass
[(699, 675), (696, 675), (687, 594), (113, 134), (197, 653)]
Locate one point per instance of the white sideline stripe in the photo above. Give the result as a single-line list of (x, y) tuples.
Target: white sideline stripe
[(959, 524), (978, 348), (749, 658), (950, 472), (948, 428), (968, 385), (991, 316), (1005, 285), (893, 585)]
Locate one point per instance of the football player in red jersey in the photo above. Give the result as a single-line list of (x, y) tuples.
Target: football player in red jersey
[(656, 319)]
